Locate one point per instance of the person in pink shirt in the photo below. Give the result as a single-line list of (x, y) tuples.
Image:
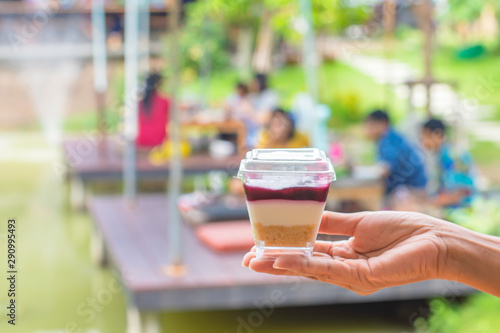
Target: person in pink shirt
[(153, 114)]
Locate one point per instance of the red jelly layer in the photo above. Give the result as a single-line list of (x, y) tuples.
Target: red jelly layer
[(317, 193)]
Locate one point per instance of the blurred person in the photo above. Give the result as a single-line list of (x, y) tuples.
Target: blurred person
[(453, 170), (239, 102), (264, 100), (401, 162), (153, 114), (115, 35), (281, 133), (238, 106), (389, 249)]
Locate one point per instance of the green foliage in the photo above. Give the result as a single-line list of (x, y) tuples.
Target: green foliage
[(478, 314), (208, 22), (329, 16), (229, 12), (335, 16), (346, 108), (464, 10), (483, 216), (203, 39)]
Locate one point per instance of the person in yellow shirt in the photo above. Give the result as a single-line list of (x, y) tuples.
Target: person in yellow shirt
[(280, 133)]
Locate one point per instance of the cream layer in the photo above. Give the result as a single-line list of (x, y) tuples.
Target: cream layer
[(285, 212)]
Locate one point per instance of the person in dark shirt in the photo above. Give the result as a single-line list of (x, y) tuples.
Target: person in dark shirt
[(402, 162)]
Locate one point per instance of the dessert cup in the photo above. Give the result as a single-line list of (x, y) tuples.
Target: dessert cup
[(286, 191)]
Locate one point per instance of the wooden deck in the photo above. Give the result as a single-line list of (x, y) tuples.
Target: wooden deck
[(85, 160), (136, 245)]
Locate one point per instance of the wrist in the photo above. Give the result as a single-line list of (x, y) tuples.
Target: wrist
[(454, 256), (470, 258)]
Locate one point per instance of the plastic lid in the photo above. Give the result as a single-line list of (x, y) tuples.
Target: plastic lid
[(287, 161)]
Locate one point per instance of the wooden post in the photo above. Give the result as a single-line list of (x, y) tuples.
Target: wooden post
[(309, 54), (428, 41), (205, 67), (100, 97), (244, 51), (175, 266), (261, 61), (389, 24)]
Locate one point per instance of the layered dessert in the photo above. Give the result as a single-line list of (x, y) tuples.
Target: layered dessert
[(286, 191), (286, 217)]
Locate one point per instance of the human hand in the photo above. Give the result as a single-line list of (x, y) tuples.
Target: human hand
[(387, 249)]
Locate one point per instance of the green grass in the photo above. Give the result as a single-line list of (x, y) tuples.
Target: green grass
[(475, 78)]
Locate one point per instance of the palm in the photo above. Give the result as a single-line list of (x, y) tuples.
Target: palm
[(397, 247), (388, 249)]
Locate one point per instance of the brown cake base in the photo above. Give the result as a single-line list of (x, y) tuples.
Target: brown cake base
[(285, 236)]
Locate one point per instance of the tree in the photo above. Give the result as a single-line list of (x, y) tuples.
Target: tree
[(261, 18)]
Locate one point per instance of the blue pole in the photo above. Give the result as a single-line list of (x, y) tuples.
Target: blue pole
[(144, 37), (99, 60), (131, 98), (99, 46)]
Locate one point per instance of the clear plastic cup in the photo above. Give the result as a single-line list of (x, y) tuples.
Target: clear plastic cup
[(286, 191)]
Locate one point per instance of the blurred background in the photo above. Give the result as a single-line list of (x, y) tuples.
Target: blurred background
[(123, 124)]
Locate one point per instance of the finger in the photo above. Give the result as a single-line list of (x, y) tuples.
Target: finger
[(326, 269), (332, 248), (247, 257), (339, 223), (269, 267), (253, 254), (266, 266), (323, 246)]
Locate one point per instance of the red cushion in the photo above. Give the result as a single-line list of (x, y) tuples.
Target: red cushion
[(226, 236)]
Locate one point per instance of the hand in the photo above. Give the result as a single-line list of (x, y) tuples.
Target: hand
[(388, 249)]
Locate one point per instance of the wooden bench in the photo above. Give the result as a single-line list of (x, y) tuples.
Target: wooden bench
[(135, 241)]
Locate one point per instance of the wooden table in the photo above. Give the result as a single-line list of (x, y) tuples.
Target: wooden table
[(136, 244), (86, 162), (230, 126), (369, 193)]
